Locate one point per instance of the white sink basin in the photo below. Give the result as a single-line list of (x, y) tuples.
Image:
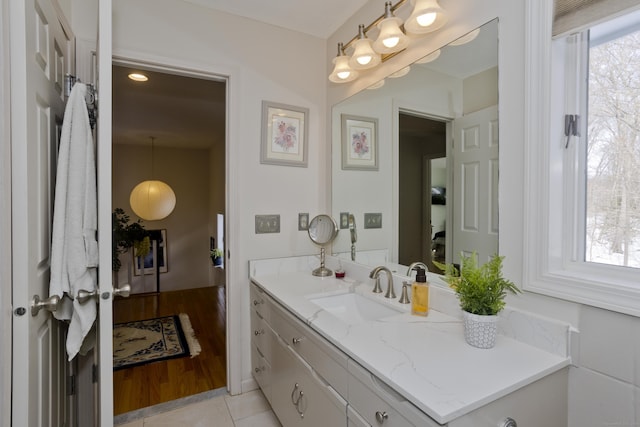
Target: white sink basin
[(353, 308)]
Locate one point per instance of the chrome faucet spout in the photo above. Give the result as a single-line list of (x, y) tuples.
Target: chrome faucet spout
[(375, 274), (416, 264)]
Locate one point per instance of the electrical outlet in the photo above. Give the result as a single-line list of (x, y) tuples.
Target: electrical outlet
[(373, 220), (267, 224)]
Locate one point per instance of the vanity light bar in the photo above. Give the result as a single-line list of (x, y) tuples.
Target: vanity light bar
[(420, 7)]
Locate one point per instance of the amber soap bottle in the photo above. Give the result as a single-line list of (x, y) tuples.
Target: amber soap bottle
[(420, 293)]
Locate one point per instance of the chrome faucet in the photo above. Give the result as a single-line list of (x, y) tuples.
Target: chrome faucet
[(375, 274), (416, 264)]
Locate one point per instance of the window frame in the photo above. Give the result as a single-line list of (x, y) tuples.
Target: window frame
[(552, 246)]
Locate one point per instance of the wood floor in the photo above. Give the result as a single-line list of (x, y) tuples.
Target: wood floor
[(159, 382)]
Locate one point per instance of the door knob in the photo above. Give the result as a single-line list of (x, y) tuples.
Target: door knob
[(84, 295), (50, 304), (124, 291)]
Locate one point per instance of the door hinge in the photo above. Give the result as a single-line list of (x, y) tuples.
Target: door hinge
[(94, 374), (571, 123), (71, 385)]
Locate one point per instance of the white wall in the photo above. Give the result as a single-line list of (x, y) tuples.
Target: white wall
[(605, 379)]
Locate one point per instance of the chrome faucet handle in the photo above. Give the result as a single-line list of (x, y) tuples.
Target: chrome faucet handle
[(404, 298), (377, 288)]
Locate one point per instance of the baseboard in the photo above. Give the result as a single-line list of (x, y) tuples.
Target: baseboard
[(248, 385)]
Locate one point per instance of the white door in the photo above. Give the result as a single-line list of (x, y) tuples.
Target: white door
[(41, 51), (105, 316), (475, 182)]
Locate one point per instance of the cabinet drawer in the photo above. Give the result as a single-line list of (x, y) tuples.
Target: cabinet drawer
[(261, 334), (261, 370), (329, 362), (260, 302), (354, 419), (375, 401)]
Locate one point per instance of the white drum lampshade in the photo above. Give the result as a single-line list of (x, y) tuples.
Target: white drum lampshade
[(152, 200)]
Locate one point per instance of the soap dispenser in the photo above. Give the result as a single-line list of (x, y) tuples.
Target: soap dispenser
[(420, 293)]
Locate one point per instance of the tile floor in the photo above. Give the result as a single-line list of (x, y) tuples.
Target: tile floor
[(245, 410)]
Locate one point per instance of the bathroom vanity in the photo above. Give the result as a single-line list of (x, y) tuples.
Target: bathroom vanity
[(328, 352)]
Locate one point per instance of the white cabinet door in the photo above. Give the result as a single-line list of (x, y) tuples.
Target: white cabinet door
[(300, 398), (41, 52)]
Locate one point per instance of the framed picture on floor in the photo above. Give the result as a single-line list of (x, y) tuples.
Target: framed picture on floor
[(144, 265)]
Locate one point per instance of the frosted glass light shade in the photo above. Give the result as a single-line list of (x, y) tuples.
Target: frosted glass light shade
[(364, 56), (427, 16), (152, 200), (391, 38), (342, 72)]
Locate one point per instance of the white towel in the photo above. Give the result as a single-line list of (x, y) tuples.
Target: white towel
[(74, 250)]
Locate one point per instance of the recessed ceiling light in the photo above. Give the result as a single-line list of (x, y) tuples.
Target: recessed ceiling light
[(138, 77)]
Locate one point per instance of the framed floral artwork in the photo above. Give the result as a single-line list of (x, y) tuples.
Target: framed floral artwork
[(359, 142), (145, 265), (284, 135)]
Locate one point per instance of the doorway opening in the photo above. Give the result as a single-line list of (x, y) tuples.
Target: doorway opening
[(422, 189), (184, 116)]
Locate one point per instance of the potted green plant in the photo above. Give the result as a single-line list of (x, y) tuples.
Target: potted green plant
[(216, 256), (127, 235), (481, 291)]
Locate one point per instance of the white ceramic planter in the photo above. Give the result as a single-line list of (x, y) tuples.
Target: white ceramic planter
[(480, 331)]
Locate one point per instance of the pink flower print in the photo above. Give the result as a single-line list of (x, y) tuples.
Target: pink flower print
[(286, 137), (360, 144)]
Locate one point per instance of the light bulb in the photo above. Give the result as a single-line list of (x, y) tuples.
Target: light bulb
[(391, 41), (426, 19), (344, 74), (363, 59)]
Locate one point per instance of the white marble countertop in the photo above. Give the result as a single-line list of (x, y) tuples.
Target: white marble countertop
[(426, 359)]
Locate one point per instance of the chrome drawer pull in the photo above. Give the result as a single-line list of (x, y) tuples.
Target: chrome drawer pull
[(381, 416), (297, 340), (300, 412), (295, 387)]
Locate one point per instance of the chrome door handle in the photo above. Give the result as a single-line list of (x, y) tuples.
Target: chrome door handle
[(124, 291), (84, 295), (50, 304)]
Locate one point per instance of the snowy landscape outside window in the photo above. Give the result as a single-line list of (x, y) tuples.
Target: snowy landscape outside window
[(612, 152)]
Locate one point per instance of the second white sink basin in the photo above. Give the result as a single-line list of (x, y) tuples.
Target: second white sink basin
[(353, 308)]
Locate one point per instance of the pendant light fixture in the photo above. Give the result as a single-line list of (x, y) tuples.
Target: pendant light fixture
[(391, 38), (342, 72), (363, 56), (152, 200), (427, 16)]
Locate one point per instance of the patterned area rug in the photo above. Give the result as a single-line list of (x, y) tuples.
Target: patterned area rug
[(152, 340)]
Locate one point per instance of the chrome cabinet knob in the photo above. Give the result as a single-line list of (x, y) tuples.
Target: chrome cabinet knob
[(258, 332), (381, 416), (296, 340), (508, 422)]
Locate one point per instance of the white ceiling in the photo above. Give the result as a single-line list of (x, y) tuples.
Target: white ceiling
[(320, 18)]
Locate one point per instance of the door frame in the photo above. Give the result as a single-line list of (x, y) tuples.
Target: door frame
[(5, 221), (233, 294)]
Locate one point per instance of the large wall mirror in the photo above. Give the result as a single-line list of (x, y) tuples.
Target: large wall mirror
[(435, 199)]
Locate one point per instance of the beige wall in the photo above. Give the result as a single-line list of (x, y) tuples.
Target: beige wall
[(188, 227), (480, 91)]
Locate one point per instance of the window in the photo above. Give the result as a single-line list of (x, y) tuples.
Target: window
[(583, 190), (611, 144)]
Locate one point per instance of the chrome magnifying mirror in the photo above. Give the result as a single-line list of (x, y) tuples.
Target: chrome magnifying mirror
[(322, 230)]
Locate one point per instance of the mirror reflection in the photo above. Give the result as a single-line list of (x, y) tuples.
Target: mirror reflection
[(435, 199)]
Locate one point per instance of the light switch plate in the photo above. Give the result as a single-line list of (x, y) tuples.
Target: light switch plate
[(267, 224), (303, 221), (373, 220), (344, 220)]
